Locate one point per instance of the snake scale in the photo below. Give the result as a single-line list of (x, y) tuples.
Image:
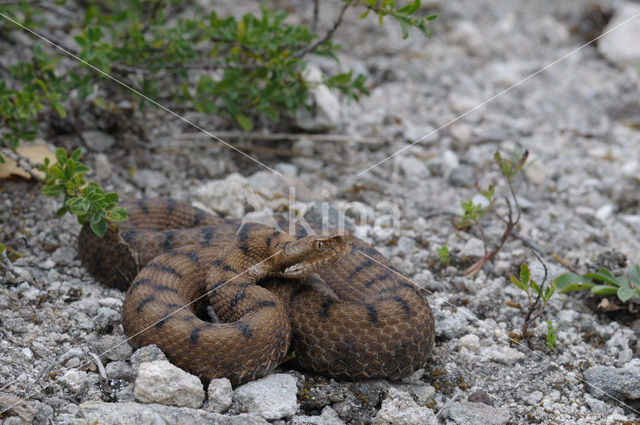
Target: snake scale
[(342, 313)]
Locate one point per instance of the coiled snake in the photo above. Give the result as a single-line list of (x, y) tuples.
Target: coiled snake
[(352, 319)]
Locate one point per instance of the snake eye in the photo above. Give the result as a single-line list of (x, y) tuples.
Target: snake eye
[(319, 245)]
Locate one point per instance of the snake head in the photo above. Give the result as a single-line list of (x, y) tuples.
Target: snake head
[(312, 253)]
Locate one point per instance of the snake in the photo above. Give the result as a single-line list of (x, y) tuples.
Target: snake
[(327, 300)]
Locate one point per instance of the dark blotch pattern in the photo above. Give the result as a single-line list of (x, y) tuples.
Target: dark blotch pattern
[(245, 329), (171, 205), (129, 235), (325, 308), (361, 267), (198, 218), (167, 244), (165, 269), (166, 288), (195, 334), (404, 305), (145, 302), (207, 236), (373, 314), (140, 282)]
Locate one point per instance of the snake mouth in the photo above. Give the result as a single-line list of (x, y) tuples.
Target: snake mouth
[(304, 268)]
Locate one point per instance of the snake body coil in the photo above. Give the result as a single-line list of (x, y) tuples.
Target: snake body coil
[(352, 319)]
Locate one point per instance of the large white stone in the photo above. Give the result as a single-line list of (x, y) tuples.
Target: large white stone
[(161, 382), (272, 397), (400, 409), (227, 197), (220, 395), (326, 105), (466, 412), (621, 46), (136, 414)]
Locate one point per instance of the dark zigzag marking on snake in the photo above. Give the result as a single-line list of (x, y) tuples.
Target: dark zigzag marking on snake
[(404, 305), (207, 235), (244, 328), (198, 218), (145, 302), (195, 334), (142, 204), (165, 288), (165, 269), (138, 283), (373, 314), (325, 308), (377, 279), (128, 237), (260, 306), (169, 237), (361, 267), (171, 205), (236, 300)]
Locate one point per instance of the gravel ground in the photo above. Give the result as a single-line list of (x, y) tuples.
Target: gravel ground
[(580, 199)]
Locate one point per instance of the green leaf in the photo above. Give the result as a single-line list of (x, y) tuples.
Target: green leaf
[(551, 334), (244, 122), (525, 274), (634, 274), (534, 285), (519, 284), (62, 211), (99, 227), (604, 290), (410, 8), (75, 155), (549, 291), (118, 214), (58, 108), (61, 156), (94, 34), (111, 197), (605, 276), (81, 168), (570, 282), (53, 191), (56, 172), (625, 291)]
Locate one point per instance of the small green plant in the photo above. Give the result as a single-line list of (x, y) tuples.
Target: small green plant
[(474, 213), (85, 200), (551, 334), (603, 282), (537, 297), (444, 255)]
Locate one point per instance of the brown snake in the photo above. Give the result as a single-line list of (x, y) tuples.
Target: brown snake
[(352, 319)]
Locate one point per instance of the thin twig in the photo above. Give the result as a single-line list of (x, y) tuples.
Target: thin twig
[(535, 306), (337, 138), (269, 151), (316, 15), (310, 48), (510, 222)]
